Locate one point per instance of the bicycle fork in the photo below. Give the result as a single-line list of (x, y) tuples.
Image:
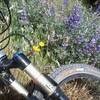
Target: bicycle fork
[(8, 78), (21, 61), (51, 88)]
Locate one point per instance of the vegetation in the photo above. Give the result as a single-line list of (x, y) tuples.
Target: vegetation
[(60, 33)]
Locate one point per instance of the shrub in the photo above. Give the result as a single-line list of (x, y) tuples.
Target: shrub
[(70, 35)]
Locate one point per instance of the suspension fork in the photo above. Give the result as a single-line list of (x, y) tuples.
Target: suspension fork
[(9, 79), (50, 87)]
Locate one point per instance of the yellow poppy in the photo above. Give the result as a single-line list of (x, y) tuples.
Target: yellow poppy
[(41, 44), (36, 49)]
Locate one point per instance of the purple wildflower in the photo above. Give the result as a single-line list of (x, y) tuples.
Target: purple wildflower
[(52, 10), (98, 48), (48, 68), (23, 15), (46, 3), (96, 36), (92, 46), (75, 18), (63, 47), (94, 39), (98, 9), (53, 39), (80, 39), (65, 3), (87, 50)]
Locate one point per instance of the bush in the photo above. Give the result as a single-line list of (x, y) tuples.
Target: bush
[(71, 35)]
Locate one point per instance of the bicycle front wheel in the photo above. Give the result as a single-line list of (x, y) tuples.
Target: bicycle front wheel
[(74, 71)]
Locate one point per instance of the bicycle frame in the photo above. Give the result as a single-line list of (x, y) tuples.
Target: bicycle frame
[(22, 62)]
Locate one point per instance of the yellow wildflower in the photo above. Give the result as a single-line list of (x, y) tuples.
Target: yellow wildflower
[(36, 49), (41, 44)]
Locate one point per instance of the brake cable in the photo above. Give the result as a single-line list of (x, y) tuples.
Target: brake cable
[(11, 35)]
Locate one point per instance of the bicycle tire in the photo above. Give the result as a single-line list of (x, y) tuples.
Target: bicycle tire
[(74, 71), (70, 72)]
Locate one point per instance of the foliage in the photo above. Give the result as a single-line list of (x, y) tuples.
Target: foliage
[(70, 35), (60, 33)]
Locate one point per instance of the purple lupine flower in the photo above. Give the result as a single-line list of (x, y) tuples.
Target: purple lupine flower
[(23, 15), (53, 39), (65, 3), (98, 48), (75, 18), (94, 39), (92, 46), (48, 68), (80, 39), (87, 50), (96, 36), (63, 47), (52, 10), (98, 9), (46, 3)]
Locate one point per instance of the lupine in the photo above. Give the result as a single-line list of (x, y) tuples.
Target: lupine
[(46, 3), (92, 46), (75, 18), (52, 38), (23, 15), (80, 39), (98, 49), (65, 3), (63, 47), (48, 68), (52, 10), (98, 9), (96, 36)]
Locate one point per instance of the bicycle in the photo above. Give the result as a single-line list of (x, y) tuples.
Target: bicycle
[(47, 86)]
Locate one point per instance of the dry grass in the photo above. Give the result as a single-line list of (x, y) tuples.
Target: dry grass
[(77, 91)]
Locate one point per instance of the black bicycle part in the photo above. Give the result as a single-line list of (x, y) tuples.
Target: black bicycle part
[(7, 77), (23, 62), (5, 63), (70, 72), (7, 24), (21, 35), (6, 2), (58, 95), (2, 18)]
